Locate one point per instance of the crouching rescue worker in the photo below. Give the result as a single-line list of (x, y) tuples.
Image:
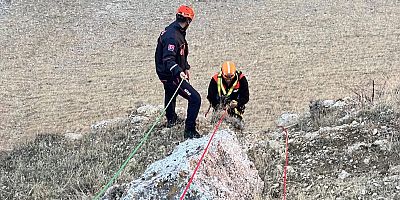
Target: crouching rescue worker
[(172, 67), (229, 89)]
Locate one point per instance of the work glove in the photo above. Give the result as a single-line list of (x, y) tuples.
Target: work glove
[(233, 104)]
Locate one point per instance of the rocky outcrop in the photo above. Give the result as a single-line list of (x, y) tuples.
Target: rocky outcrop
[(337, 150), (225, 172)]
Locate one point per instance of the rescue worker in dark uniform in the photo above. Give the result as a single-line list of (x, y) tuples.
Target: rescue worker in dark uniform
[(229, 89), (172, 66)]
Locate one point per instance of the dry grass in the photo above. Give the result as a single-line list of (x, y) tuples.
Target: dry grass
[(52, 167), (65, 65), (382, 113)]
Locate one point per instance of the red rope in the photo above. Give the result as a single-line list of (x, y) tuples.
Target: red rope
[(202, 156), (286, 162)]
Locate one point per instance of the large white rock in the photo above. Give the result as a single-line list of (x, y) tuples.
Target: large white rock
[(149, 110), (225, 172), (288, 119)]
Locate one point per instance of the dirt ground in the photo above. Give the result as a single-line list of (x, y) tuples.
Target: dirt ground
[(66, 64)]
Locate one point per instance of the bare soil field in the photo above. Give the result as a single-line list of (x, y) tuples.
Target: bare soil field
[(67, 64)]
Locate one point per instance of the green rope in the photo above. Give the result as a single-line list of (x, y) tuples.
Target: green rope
[(116, 175)]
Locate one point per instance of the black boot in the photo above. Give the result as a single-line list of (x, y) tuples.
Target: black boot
[(175, 120), (171, 123), (191, 134)]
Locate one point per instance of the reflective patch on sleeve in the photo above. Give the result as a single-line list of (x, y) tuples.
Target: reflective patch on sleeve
[(170, 69), (171, 47)]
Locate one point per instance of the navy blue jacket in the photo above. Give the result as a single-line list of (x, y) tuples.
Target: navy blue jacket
[(171, 53)]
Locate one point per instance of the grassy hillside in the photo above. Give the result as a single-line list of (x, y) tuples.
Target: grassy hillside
[(65, 64), (362, 139)]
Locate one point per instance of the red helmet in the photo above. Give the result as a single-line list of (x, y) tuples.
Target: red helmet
[(185, 11)]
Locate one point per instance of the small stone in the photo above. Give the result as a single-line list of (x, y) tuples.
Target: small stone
[(363, 192), (73, 136), (343, 174)]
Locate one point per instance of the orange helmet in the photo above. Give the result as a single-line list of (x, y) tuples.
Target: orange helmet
[(185, 11), (228, 69)]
